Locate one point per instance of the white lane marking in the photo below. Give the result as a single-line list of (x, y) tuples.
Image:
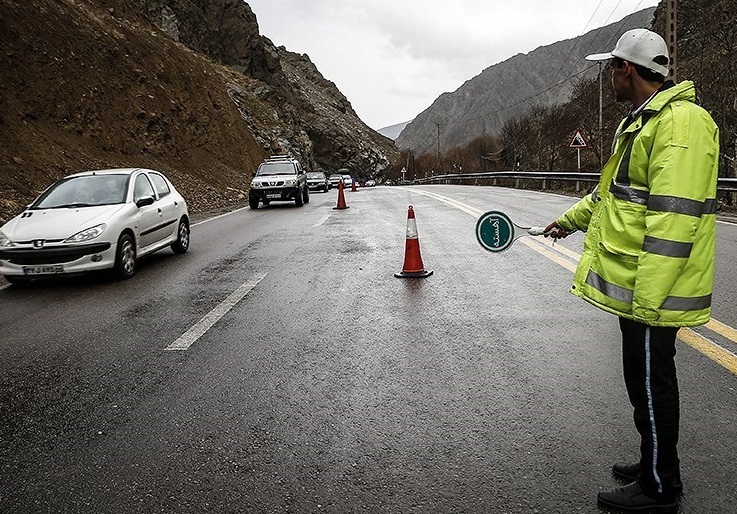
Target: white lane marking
[(321, 221), (198, 330), (542, 249), (707, 347), (218, 217)]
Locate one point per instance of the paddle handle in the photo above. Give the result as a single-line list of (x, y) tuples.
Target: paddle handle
[(537, 231)]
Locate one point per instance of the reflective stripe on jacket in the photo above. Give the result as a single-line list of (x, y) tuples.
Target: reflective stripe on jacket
[(650, 223)]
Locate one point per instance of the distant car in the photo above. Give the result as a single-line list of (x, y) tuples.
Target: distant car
[(317, 181), (334, 180), (347, 180), (92, 221), (370, 183), (279, 178)]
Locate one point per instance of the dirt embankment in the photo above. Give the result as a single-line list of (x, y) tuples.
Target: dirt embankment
[(84, 86)]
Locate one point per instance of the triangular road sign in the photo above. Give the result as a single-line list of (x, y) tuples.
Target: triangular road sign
[(578, 141)]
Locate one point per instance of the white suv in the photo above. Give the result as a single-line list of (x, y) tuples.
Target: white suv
[(279, 178)]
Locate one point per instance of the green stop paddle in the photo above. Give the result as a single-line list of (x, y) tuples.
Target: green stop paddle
[(496, 232)]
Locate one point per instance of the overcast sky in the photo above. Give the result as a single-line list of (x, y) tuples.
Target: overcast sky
[(393, 58)]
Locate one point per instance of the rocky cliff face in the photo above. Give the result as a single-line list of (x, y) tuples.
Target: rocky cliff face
[(322, 126), (185, 86), (509, 89)]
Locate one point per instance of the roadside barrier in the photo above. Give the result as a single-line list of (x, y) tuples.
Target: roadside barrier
[(413, 266)]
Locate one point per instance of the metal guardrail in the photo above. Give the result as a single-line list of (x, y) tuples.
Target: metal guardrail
[(724, 184)]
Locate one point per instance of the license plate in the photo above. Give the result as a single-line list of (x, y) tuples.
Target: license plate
[(43, 270), (273, 195)]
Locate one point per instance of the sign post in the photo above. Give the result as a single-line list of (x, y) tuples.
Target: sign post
[(578, 142)]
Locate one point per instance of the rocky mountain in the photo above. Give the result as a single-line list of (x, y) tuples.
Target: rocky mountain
[(511, 88), (188, 87)]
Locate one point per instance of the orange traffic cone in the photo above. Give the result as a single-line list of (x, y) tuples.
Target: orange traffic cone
[(413, 267), (341, 197), (353, 185)]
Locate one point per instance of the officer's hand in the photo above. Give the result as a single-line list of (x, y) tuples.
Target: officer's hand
[(555, 231)]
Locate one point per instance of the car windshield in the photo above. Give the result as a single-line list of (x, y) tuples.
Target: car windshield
[(316, 175), (84, 191), (276, 168)]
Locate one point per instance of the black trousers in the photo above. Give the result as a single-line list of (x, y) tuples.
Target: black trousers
[(650, 377)]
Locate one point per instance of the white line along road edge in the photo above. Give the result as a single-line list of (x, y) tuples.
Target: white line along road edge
[(198, 330)]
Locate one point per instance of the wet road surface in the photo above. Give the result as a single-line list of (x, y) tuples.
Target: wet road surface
[(329, 385)]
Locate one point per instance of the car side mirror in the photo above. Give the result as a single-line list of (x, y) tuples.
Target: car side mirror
[(146, 200)]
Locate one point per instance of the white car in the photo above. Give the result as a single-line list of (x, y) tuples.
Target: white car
[(92, 221)]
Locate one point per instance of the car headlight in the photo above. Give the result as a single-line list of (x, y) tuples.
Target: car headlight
[(290, 183), (5, 241), (86, 234)]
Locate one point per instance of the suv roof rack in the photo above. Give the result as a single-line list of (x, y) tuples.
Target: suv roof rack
[(279, 158)]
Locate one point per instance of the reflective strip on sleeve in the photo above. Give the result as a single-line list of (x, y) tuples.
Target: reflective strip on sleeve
[(681, 205), (666, 248)]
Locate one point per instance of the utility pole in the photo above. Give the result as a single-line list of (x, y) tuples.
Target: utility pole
[(601, 118), (671, 33), (439, 163), (483, 146)]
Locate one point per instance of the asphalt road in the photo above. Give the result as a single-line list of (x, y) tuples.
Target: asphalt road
[(280, 367)]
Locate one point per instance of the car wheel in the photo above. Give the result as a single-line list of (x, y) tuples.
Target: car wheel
[(253, 201), (299, 198), (125, 257), (307, 196), (181, 245)]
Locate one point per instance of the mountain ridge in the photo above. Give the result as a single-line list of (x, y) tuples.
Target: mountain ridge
[(482, 104)]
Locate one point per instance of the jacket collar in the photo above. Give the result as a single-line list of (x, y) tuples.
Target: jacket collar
[(670, 92)]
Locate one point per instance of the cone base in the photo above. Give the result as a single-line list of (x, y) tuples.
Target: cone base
[(414, 274), (346, 207)]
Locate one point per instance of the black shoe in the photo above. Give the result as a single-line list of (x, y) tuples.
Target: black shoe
[(629, 472), (630, 498), (626, 472)]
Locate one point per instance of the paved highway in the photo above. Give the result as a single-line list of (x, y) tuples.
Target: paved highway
[(280, 367)]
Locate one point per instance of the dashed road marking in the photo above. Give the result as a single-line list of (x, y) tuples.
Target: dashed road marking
[(321, 221), (198, 330)]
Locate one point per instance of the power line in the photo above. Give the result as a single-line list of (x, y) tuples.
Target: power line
[(562, 65)]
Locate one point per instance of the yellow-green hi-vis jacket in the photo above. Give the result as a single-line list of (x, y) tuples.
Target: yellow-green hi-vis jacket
[(650, 223)]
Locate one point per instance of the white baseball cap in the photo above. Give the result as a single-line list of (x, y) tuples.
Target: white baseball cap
[(639, 46)]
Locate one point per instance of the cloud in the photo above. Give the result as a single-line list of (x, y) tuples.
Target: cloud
[(393, 58)]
